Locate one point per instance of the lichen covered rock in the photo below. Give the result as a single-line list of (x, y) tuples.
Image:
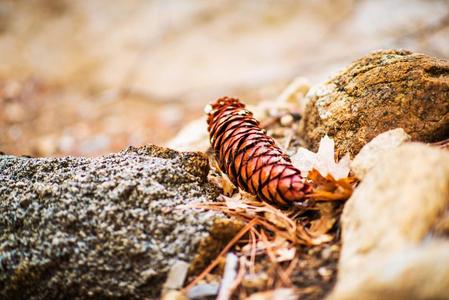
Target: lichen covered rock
[(379, 92), (105, 227)]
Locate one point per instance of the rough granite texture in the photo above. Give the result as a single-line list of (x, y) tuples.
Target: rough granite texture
[(381, 91), (103, 228)]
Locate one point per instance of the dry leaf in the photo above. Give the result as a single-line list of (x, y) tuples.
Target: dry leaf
[(324, 238), (323, 160), (328, 189), (235, 202), (276, 220), (222, 181)]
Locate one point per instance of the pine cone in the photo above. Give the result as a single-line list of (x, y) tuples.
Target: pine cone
[(251, 158)]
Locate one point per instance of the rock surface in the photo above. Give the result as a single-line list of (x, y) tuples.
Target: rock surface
[(389, 231), (103, 227), (370, 154), (381, 91)]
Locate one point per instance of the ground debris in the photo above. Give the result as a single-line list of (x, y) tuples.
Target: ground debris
[(281, 251)]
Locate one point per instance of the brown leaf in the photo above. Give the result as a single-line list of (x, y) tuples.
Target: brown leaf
[(222, 181), (323, 160), (327, 188)]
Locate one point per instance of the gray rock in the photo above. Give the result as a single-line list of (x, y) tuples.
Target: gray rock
[(176, 275), (103, 227), (381, 91), (203, 290), (391, 248)]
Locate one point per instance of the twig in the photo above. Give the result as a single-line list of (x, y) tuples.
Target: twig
[(292, 266), (240, 274), (282, 275), (253, 251), (229, 276)]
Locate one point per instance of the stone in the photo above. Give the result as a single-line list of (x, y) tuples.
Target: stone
[(176, 276), (105, 227), (417, 272), (381, 91), (201, 291), (370, 154), (229, 276), (174, 295), (390, 248)]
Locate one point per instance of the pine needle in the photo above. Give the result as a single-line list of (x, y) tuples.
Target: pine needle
[(225, 250)]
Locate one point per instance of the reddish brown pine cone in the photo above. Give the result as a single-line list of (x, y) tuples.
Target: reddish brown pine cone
[(251, 158)]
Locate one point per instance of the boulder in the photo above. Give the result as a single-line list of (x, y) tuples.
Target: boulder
[(381, 91), (394, 241), (108, 227), (370, 154)]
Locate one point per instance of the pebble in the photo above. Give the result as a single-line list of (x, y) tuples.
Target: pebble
[(203, 290)]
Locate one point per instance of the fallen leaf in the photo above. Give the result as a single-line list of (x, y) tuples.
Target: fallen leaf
[(222, 181), (328, 188), (323, 160), (234, 203)]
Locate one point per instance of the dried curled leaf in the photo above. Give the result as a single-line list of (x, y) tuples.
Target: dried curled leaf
[(222, 181), (323, 161), (328, 188)]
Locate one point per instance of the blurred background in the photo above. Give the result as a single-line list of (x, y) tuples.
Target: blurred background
[(92, 77)]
